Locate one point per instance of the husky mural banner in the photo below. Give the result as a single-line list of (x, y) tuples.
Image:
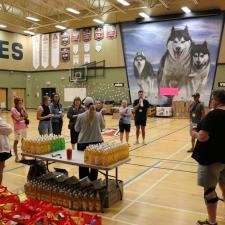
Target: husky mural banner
[(178, 54), (45, 50)]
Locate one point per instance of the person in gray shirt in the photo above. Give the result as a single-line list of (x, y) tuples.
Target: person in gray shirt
[(197, 112), (89, 125)]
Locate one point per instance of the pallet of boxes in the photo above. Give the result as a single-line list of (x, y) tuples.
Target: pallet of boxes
[(181, 109)]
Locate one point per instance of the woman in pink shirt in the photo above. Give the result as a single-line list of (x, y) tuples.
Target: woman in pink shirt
[(20, 122)]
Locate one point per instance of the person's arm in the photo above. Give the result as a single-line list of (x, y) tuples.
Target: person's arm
[(70, 113), (39, 112), (202, 111), (102, 122), (201, 136), (17, 116), (62, 110), (128, 113), (136, 105), (77, 126), (122, 111)]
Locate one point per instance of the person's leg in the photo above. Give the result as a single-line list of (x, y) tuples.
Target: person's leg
[(121, 128), (60, 126), (23, 136), (43, 127), (15, 149), (83, 172), (49, 127), (127, 131), (143, 133), (72, 138), (55, 128), (2, 165), (222, 183), (137, 133), (93, 175), (121, 136)]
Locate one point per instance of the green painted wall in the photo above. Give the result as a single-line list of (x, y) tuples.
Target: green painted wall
[(220, 76), (99, 87), (11, 79)]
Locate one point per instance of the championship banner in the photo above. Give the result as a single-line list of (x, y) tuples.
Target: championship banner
[(65, 54), (45, 50), (99, 33), (111, 32), (65, 38), (87, 47), (75, 59), (87, 33), (55, 50), (75, 48), (36, 51), (98, 46), (87, 58), (75, 36)]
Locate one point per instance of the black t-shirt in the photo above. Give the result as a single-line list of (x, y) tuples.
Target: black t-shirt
[(141, 112), (212, 150)]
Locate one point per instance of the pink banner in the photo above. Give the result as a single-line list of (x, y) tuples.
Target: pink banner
[(169, 91)]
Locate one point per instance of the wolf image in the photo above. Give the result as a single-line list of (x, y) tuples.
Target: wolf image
[(200, 66), (143, 72), (175, 65)]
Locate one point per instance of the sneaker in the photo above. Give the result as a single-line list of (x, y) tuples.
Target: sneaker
[(136, 143), (206, 222), (144, 143), (190, 150)]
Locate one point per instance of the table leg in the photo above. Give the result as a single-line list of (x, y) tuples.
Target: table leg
[(118, 185)]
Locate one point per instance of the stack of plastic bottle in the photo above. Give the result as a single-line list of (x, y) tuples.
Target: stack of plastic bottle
[(43, 144), (105, 154)]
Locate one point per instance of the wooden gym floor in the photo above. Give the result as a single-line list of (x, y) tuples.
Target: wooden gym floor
[(160, 180)]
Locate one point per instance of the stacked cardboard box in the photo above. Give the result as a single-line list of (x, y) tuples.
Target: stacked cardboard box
[(181, 109)]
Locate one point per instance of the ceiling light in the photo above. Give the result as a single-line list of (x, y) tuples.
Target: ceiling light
[(32, 18), (60, 27), (73, 10), (123, 2), (98, 21), (144, 15), (2, 26), (186, 9), (29, 32)]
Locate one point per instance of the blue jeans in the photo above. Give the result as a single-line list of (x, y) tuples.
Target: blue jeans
[(45, 127)]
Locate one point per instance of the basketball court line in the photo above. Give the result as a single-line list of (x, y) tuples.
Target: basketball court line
[(152, 186)]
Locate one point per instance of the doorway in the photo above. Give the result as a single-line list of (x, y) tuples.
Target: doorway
[(48, 92), (3, 98)]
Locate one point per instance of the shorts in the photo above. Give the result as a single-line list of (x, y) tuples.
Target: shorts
[(192, 126), (124, 127), (73, 136), (210, 175), (140, 122), (20, 134)]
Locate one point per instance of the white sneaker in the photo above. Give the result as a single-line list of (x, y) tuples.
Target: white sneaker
[(144, 143), (136, 143)]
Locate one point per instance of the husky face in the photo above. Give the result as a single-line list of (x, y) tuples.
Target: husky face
[(139, 62), (200, 55), (179, 43)]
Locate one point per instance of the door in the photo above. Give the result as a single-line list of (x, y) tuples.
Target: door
[(48, 92), (18, 92), (3, 98)]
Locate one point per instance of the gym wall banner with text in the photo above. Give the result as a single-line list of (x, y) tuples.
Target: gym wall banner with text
[(171, 60), (14, 51)]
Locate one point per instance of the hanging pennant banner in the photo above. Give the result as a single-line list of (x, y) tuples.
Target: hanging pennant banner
[(87, 58), (111, 32), (65, 38), (55, 50), (36, 51), (98, 46), (87, 34), (75, 48), (65, 54), (45, 50), (99, 33), (75, 36), (86, 47), (75, 59)]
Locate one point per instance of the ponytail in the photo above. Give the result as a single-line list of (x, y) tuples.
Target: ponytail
[(91, 114)]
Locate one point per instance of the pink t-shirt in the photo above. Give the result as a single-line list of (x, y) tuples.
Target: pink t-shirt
[(16, 116)]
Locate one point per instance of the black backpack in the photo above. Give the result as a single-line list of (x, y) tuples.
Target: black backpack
[(36, 170)]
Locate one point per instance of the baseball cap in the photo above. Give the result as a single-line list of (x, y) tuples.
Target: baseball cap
[(196, 94), (88, 101)]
